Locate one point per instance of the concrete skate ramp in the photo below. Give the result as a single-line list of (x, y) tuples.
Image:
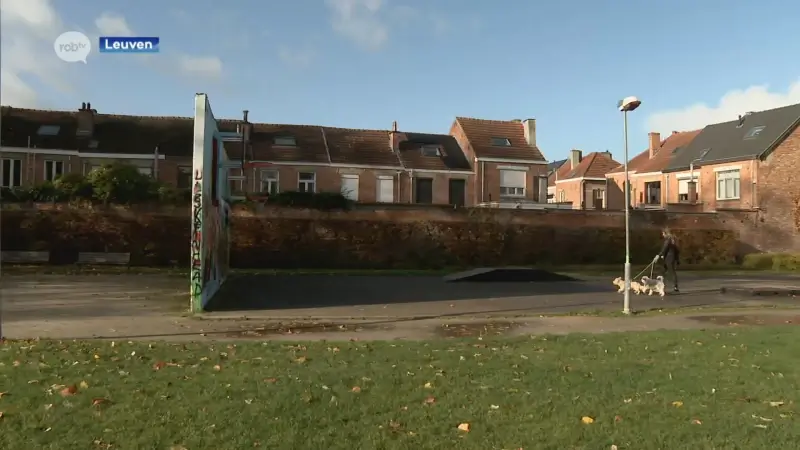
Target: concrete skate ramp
[(507, 275)]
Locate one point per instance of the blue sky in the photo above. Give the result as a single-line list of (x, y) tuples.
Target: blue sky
[(366, 63)]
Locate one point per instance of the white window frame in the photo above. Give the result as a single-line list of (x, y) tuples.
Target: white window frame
[(240, 191), (430, 151), (312, 182), (351, 195), (732, 177), (270, 177), (52, 173), (562, 196), (145, 171), (11, 163), (513, 191), (381, 179)]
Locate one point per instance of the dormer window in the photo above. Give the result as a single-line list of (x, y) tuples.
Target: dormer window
[(285, 141), (501, 142), (93, 144), (431, 150), (48, 130)]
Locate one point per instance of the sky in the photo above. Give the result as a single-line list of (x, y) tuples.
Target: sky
[(367, 63)]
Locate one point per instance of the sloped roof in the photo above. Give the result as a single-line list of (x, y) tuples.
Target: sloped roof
[(451, 158), (758, 133), (479, 133), (642, 163), (593, 165)]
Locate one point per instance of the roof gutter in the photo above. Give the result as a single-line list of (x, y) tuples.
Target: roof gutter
[(511, 160), (710, 163)]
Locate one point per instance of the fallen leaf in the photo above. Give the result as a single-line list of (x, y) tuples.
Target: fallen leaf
[(69, 390), (84, 385), (428, 385), (463, 427), (271, 380), (494, 406), (2, 415), (587, 420), (613, 447), (628, 400), (16, 363), (696, 422), (300, 360), (617, 418), (430, 400), (3, 394), (217, 367), (775, 403), (677, 404), (99, 401), (764, 427), (159, 365), (355, 389), (761, 418), (394, 425)]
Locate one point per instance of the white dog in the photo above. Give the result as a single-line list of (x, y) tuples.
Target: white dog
[(635, 287), (653, 285)]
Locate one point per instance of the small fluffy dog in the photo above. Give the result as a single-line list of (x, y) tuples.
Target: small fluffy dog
[(652, 285), (635, 286)]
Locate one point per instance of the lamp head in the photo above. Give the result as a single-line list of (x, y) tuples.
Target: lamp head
[(628, 104)]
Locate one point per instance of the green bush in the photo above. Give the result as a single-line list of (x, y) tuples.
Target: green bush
[(772, 261), (122, 183), (74, 186), (325, 201)]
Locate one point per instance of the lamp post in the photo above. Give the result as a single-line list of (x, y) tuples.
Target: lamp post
[(626, 105)]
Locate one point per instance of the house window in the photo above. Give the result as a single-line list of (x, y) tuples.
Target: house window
[(184, 177), (683, 188), (512, 183), (269, 182), (385, 189), (285, 141), (431, 150), (12, 173), (307, 182), (423, 190), (145, 171), (562, 196), (501, 142), (236, 182), (728, 184), (53, 170), (350, 187), (753, 133), (48, 130)]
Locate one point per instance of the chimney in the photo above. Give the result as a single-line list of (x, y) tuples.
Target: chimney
[(85, 121), (655, 142), (529, 128), (394, 138), (608, 153), (575, 157)]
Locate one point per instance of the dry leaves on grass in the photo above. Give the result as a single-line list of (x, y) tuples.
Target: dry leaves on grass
[(677, 404), (587, 420), (69, 390), (355, 389), (4, 394), (430, 400), (463, 427)]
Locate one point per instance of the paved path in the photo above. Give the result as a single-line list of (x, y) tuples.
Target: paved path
[(118, 306)]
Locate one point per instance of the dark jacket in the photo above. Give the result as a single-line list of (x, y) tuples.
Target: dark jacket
[(669, 251)]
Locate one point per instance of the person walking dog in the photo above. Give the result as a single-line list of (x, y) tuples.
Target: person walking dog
[(669, 256)]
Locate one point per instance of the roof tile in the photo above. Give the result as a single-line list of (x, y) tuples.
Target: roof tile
[(479, 133), (642, 163)]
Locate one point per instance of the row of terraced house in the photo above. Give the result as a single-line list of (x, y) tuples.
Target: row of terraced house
[(750, 163)]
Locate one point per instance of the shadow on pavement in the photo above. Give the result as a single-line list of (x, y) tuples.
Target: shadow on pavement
[(274, 292)]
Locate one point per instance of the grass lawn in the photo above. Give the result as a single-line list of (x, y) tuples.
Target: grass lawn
[(659, 390)]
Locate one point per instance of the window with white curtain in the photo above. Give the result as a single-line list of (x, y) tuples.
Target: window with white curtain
[(512, 183), (728, 184), (350, 187)]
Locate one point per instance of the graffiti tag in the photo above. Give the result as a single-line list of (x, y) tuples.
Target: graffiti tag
[(197, 234)]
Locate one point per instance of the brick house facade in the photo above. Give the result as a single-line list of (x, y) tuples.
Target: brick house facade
[(581, 181), (507, 163)]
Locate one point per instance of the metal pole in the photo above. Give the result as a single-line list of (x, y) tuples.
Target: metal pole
[(626, 305)]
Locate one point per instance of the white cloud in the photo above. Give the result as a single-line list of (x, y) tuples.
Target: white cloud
[(111, 24), (208, 67), (360, 21), (298, 58), (730, 106), (29, 28)]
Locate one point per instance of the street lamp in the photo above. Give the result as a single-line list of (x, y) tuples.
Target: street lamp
[(626, 105)]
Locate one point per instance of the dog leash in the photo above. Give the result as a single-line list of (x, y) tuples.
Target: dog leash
[(650, 266)]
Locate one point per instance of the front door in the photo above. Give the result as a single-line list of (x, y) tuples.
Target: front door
[(424, 190), (458, 191)]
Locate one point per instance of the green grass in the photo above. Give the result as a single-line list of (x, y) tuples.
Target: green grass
[(658, 390)]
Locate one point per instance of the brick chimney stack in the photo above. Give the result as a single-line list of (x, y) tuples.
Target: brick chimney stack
[(85, 121), (394, 138), (529, 128), (655, 142), (575, 157)]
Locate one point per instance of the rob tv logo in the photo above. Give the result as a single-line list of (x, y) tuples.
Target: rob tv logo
[(118, 44)]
